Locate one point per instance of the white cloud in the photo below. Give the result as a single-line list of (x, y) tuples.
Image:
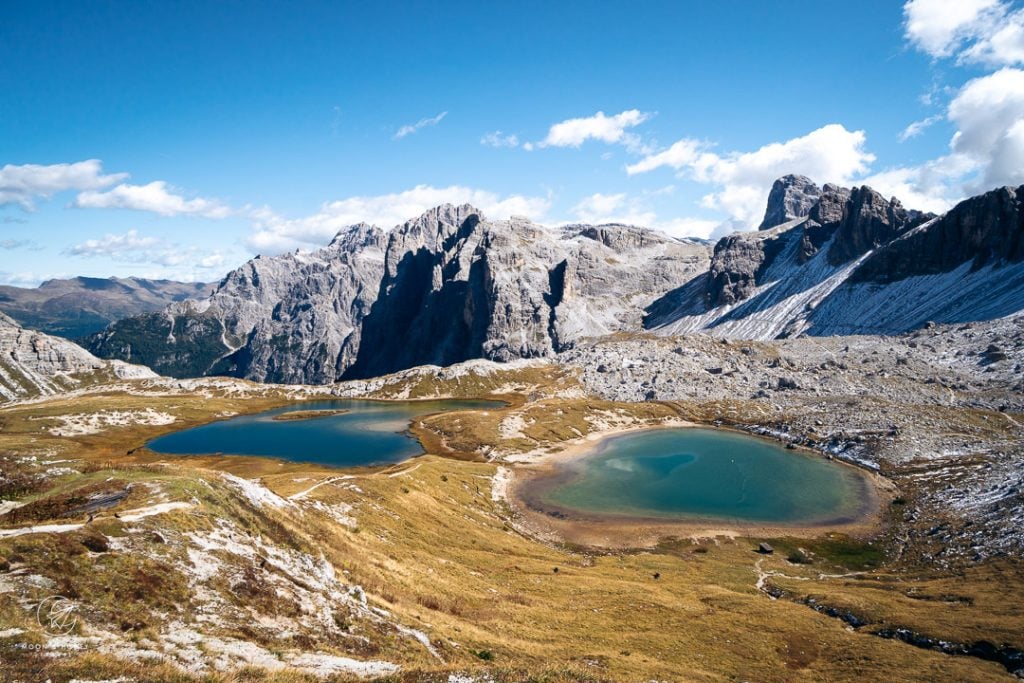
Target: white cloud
[(499, 139), (828, 154), (411, 128), (939, 27), (989, 32), (931, 186), (987, 112), (166, 259), (273, 234), (601, 208), (114, 245), (10, 245), (25, 278), (918, 127), (986, 151), (681, 154), (156, 196), (23, 184), (607, 129)]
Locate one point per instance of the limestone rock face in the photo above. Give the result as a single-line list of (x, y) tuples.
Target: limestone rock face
[(984, 230), (442, 288), (866, 221), (734, 268), (282, 319), (857, 264), (791, 196), (37, 364)]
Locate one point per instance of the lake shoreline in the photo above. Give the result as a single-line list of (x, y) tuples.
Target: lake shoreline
[(616, 530)]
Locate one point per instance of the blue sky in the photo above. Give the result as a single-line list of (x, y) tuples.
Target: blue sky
[(179, 139)]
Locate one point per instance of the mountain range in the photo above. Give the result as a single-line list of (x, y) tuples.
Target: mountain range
[(452, 285), (81, 306), (445, 287)]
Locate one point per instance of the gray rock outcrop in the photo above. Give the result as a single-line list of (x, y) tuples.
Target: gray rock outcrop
[(791, 197), (858, 264), (36, 364), (445, 287)]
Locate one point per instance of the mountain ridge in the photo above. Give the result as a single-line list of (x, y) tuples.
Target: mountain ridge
[(441, 288), (856, 263), (451, 285), (77, 307)]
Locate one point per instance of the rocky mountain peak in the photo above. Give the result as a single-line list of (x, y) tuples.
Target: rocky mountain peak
[(442, 220), (358, 236), (791, 196), (866, 220)]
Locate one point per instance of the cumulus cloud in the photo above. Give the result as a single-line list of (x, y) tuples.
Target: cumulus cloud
[(411, 128), (607, 129), (989, 32), (988, 112), (986, 151), (620, 207), (499, 139), (273, 234), (157, 197), (743, 179), (168, 258), (23, 184), (114, 245)]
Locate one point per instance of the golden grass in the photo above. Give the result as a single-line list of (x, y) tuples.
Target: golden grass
[(432, 546)]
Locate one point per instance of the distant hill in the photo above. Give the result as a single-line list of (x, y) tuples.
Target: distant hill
[(81, 306)]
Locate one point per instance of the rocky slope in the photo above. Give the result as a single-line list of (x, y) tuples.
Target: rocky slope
[(36, 364), (77, 307), (855, 263), (442, 288), (939, 411)]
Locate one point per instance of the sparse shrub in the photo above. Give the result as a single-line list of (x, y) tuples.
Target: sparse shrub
[(96, 542), (485, 655), (798, 557)]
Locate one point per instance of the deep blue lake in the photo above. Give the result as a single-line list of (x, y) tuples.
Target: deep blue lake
[(371, 433), (706, 474)]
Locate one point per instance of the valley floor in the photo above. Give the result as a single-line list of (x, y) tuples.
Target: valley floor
[(232, 569)]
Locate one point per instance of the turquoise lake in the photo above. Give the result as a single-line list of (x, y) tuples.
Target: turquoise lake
[(700, 474), (371, 433)]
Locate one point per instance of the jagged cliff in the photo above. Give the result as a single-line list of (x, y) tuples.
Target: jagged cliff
[(291, 319), (36, 364), (855, 263), (445, 287)]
